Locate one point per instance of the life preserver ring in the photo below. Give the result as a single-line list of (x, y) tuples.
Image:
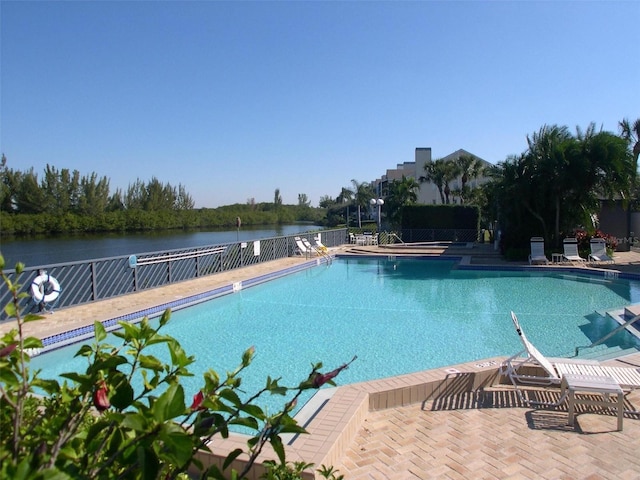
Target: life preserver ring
[(45, 283)]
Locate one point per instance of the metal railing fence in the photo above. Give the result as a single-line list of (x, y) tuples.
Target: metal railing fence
[(91, 280)]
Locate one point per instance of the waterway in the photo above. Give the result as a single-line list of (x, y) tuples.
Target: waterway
[(48, 251)]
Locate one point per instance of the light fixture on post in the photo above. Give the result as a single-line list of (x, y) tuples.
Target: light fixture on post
[(379, 202)]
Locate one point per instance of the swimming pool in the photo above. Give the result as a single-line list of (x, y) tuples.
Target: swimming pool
[(398, 316)]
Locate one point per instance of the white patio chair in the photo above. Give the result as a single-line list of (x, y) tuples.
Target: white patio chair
[(553, 370), (571, 251), (599, 251), (537, 251)]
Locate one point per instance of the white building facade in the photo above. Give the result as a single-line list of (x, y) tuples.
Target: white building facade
[(428, 193)]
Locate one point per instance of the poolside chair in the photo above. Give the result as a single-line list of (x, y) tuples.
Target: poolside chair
[(599, 251), (537, 251), (571, 251), (312, 249), (302, 249), (519, 369), (319, 245)]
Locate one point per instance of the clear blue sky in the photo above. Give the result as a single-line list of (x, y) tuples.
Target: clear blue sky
[(235, 99)]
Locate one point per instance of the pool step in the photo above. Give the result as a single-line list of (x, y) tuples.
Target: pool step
[(623, 315), (606, 354)]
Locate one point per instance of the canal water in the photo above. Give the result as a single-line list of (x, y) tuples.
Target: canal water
[(35, 252)]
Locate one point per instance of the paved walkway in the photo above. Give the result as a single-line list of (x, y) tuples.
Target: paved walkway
[(492, 438), (486, 435)]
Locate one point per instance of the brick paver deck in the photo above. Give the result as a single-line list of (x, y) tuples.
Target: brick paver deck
[(492, 440)]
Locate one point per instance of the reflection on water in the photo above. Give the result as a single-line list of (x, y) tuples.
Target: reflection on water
[(52, 250)]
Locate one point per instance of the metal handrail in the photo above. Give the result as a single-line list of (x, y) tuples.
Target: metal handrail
[(609, 335), (393, 234), (179, 256), (88, 281)]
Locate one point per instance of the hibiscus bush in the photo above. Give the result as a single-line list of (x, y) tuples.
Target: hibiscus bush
[(99, 423)]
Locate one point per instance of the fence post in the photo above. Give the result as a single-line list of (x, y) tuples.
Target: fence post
[(94, 286)]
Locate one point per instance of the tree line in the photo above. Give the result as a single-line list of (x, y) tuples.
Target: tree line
[(558, 184), (68, 202)]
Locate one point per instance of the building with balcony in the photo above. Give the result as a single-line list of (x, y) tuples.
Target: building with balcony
[(428, 193)]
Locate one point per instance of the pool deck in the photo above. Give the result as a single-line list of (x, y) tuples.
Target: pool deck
[(455, 422)]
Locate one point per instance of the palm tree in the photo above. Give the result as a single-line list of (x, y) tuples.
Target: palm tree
[(345, 196), (363, 193), (558, 181), (631, 133), (439, 172), (401, 192), (548, 154), (468, 167)]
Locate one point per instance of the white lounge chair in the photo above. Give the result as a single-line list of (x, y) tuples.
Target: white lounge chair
[(302, 249), (599, 251), (520, 368), (310, 248), (571, 251), (319, 245), (537, 251)]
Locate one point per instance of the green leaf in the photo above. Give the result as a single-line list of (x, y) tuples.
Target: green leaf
[(84, 351), (215, 473), (8, 377), (100, 332), (249, 422), (176, 443), (32, 342), (278, 447), (179, 356), (231, 396), (110, 362), (164, 319), (253, 410), (130, 331), (292, 429), (231, 457), (150, 362), (170, 404), (49, 386), (149, 463), (135, 421), (123, 395), (76, 377), (31, 317), (10, 310)]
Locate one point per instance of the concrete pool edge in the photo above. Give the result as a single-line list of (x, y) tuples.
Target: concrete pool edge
[(338, 420)]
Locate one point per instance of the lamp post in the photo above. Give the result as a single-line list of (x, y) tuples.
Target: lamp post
[(347, 215), (379, 202)]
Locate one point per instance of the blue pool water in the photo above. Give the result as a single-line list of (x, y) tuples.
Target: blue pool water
[(397, 316)]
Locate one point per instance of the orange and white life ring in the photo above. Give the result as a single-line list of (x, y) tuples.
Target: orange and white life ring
[(45, 288)]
